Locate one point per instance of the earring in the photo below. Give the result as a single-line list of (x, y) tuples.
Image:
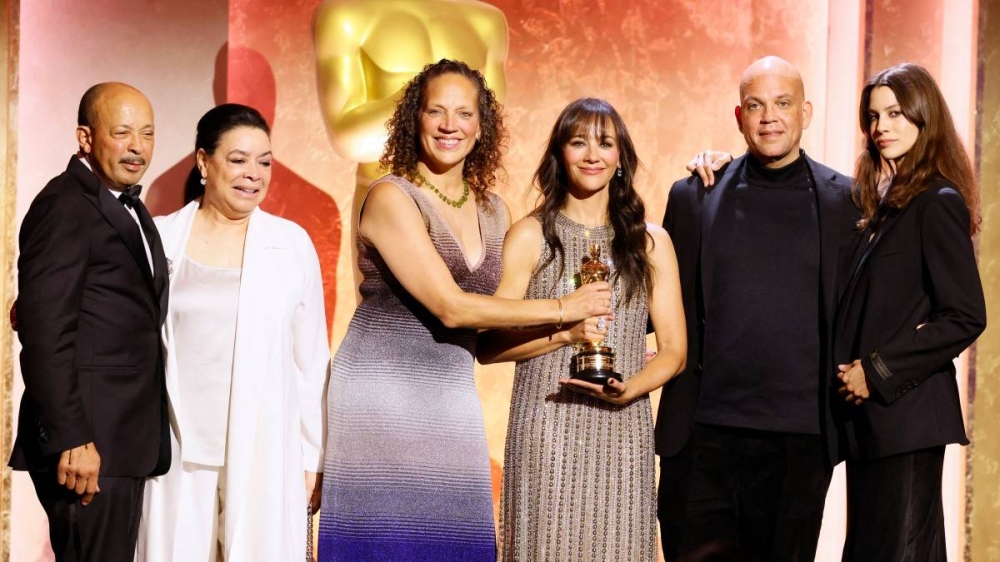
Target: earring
[(204, 181), (619, 171)]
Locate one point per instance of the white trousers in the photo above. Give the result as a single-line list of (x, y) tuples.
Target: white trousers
[(200, 520), (183, 516)]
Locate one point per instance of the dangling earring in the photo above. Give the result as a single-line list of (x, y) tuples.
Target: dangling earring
[(619, 171), (204, 181)]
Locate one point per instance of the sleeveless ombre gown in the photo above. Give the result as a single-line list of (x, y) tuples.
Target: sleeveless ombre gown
[(407, 471)]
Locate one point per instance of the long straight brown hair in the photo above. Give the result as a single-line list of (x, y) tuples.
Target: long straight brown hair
[(626, 212), (937, 152)]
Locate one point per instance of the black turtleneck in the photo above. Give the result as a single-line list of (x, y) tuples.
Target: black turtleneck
[(762, 321)]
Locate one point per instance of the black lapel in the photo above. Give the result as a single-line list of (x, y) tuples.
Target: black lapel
[(161, 278), (115, 213), (858, 266), (883, 229), (859, 253), (830, 208), (856, 249), (710, 209)]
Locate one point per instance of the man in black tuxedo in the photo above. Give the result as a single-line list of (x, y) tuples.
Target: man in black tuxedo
[(92, 278), (744, 433)]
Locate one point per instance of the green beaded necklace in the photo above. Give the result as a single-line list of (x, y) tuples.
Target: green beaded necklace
[(457, 203)]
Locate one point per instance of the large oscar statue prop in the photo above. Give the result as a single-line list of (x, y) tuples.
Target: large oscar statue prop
[(367, 51), (595, 362)]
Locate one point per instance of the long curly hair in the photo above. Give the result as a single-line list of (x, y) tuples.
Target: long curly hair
[(483, 166), (625, 209), (938, 150)]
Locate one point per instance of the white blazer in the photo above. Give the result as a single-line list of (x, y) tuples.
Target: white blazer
[(277, 403)]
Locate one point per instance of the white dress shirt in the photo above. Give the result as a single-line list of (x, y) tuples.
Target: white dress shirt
[(135, 217)]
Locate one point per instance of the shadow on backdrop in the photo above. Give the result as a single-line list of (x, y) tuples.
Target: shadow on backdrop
[(251, 82)]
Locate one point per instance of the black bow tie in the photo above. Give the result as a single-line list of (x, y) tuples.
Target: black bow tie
[(130, 196)]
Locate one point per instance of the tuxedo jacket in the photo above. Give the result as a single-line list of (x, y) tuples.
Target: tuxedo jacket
[(912, 301), (89, 315), (690, 218)]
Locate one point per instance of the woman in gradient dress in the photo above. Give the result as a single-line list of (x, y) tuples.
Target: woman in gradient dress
[(407, 475), (578, 466)]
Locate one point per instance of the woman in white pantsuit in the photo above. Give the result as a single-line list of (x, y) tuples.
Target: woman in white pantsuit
[(247, 355)]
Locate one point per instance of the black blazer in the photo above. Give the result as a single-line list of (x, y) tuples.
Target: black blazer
[(89, 316), (691, 212), (912, 301)]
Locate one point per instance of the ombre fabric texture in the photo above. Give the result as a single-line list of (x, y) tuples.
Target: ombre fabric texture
[(579, 472), (407, 471)]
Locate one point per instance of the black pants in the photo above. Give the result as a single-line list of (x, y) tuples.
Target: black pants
[(104, 531), (894, 511), (758, 493)]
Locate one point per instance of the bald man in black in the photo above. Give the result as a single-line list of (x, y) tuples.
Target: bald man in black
[(744, 435), (92, 281)]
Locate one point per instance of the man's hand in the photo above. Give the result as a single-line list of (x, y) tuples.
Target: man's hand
[(707, 163), (78, 469), (855, 389)]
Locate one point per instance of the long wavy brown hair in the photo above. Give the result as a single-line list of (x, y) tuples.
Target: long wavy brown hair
[(483, 166), (938, 150), (625, 209)]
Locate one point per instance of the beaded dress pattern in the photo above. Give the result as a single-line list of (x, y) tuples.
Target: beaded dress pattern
[(407, 470), (579, 472)]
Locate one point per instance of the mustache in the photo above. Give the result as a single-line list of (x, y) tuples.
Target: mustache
[(134, 160)]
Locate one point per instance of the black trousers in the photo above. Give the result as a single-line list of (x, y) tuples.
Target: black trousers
[(894, 510), (757, 494), (104, 531)]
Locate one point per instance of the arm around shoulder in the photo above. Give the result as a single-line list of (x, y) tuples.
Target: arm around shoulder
[(682, 201)]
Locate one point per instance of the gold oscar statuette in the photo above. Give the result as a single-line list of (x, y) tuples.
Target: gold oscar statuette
[(595, 362)]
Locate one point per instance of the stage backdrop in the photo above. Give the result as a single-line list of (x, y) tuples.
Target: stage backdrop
[(670, 67)]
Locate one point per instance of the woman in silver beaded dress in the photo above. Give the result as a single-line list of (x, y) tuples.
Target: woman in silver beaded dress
[(407, 472), (579, 467)]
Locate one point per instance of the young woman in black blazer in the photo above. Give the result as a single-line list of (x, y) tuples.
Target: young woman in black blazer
[(911, 301)]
